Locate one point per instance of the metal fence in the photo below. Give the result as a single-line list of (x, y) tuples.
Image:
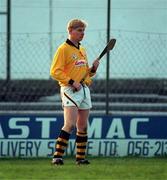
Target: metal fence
[(136, 55), (138, 74)]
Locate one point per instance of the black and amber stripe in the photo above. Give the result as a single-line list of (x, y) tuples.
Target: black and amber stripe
[(71, 100), (61, 144), (81, 142)]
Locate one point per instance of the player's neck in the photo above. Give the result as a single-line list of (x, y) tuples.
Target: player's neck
[(76, 43)]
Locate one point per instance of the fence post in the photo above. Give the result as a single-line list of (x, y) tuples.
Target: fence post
[(108, 58), (8, 43)]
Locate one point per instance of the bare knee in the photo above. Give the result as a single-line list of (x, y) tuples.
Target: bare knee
[(68, 127), (82, 129)]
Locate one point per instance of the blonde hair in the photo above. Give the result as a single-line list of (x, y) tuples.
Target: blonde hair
[(75, 23)]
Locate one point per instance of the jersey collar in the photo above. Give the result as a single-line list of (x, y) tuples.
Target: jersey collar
[(72, 44)]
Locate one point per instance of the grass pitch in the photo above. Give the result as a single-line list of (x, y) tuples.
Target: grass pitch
[(99, 169)]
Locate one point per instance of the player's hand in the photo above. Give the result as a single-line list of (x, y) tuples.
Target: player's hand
[(76, 86), (95, 64)]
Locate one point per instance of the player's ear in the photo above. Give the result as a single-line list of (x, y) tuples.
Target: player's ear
[(70, 30)]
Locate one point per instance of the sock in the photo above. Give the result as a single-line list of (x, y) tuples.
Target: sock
[(61, 144), (81, 141)]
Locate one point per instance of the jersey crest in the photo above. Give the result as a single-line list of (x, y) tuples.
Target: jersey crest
[(74, 56)]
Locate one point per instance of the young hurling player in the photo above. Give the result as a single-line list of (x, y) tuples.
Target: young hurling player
[(70, 68)]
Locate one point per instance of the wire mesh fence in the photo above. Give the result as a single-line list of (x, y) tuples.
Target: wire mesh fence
[(138, 75)]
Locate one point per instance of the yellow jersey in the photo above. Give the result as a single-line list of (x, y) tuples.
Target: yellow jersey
[(70, 63)]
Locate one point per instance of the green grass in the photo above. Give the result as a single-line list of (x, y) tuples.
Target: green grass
[(99, 169)]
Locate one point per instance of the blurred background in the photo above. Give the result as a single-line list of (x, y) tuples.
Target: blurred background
[(132, 79)]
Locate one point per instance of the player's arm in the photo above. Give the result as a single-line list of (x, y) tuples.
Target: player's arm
[(57, 67), (93, 69), (57, 70)]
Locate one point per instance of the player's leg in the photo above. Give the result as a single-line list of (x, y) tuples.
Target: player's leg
[(81, 139), (70, 118)]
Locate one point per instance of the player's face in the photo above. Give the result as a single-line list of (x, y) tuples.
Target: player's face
[(77, 34)]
